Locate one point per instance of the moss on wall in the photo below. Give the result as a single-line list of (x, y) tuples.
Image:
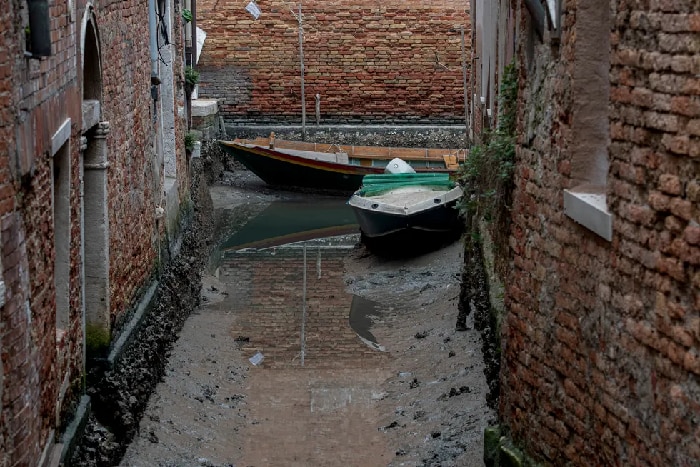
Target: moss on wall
[(97, 340), (499, 450)]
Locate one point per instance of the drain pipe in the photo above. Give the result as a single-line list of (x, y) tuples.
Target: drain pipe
[(301, 67), (152, 40)]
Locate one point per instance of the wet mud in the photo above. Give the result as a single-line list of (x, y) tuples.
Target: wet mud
[(119, 395), (200, 401)]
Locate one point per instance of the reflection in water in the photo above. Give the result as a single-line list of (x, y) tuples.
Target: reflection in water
[(293, 221), (361, 311), (284, 222)]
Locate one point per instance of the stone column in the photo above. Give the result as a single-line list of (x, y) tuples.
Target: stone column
[(96, 228)]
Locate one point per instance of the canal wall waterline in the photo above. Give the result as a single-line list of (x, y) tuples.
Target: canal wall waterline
[(433, 136)]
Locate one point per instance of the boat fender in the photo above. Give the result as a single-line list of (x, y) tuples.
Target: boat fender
[(398, 166)]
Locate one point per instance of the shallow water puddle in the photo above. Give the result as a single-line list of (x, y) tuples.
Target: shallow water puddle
[(361, 312), (284, 222)]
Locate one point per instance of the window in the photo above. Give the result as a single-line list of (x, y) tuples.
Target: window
[(586, 201), (38, 29)]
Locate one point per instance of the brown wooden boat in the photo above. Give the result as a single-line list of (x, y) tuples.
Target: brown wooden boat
[(332, 166)]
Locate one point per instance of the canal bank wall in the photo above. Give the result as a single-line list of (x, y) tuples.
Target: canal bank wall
[(420, 136), (120, 389)]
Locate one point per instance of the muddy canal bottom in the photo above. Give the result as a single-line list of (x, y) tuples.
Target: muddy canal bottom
[(270, 371), (283, 364)]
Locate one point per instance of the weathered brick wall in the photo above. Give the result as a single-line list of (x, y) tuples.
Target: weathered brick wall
[(600, 346), (127, 105), (181, 129), (6, 195), (369, 62), (37, 97)]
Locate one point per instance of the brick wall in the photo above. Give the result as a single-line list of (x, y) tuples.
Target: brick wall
[(600, 345), (127, 105), (181, 129), (37, 98), (369, 62), (41, 370)]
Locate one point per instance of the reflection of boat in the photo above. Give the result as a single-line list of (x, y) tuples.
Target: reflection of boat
[(316, 165), (393, 203), (285, 222)]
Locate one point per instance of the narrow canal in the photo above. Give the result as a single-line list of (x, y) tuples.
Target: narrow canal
[(309, 350)]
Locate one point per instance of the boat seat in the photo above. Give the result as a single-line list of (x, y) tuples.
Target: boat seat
[(450, 162)]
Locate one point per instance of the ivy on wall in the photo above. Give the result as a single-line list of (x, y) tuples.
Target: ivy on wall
[(487, 174), (487, 179)]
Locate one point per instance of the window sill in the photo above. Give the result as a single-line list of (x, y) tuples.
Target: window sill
[(588, 208)]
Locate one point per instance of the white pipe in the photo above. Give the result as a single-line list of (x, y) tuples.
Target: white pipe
[(152, 36), (301, 59)]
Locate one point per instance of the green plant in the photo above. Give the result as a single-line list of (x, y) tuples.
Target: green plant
[(487, 173), (191, 76), (27, 38), (186, 15), (189, 141)]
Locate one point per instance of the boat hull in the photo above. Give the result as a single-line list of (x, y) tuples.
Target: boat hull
[(339, 171), (438, 215), (440, 219), (287, 170)]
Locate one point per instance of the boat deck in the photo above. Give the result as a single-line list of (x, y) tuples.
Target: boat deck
[(405, 197), (448, 157)]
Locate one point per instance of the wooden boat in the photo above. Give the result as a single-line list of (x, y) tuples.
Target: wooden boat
[(331, 166), (393, 203)]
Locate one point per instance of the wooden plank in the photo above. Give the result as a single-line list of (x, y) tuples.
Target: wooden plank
[(410, 153), (451, 162), (360, 152), (405, 157), (371, 151)]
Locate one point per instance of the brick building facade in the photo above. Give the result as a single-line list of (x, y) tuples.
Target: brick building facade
[(368, 62), (82, 177), (601, 337)]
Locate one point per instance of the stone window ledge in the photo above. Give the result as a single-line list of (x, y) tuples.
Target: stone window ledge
[(588, 207)]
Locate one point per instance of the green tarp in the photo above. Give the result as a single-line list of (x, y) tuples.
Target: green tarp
[(373, 185)]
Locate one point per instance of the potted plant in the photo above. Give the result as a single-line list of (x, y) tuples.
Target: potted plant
[(189, 141), (191, 79)]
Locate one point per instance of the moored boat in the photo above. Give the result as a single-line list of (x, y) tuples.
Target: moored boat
[(394, 203), (332, 166)]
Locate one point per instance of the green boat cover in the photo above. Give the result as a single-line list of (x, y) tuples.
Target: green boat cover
[(377, 184)]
